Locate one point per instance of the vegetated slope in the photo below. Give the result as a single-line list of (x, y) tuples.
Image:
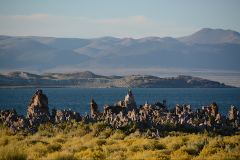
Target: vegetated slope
[(98, 141)]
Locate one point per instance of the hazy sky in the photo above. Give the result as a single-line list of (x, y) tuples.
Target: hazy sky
[(119, 18)]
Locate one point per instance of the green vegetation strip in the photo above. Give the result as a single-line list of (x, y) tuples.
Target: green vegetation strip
[(78, 141)]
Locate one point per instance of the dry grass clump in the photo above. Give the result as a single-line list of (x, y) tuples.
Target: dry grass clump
[(221, 148), (118, 135), (180, 155), (12, 153), (95, 154), (61, 156)]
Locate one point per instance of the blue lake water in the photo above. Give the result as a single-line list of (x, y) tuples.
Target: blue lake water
[(78, 99)]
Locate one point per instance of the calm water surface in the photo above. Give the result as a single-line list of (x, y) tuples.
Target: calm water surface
[(78, 99)]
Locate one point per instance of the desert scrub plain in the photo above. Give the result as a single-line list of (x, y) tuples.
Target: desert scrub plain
[(95, 141)]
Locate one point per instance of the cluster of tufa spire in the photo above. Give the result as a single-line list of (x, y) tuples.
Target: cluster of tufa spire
[(154, 117)]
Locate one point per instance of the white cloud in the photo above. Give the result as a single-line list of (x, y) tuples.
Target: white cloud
[(30, 17), (127, 20)]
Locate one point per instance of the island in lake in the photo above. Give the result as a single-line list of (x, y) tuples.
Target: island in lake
[(88, 79)]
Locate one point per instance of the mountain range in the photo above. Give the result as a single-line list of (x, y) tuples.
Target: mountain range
[(88, 79), (215, 49)]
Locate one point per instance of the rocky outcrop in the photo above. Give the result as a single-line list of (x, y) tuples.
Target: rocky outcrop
[(214, 109), (155, 117), (11, 119), (158, 116), (38, 105), (66, 116), (129, 101), (38, 111), (94, 108), (233, 116)]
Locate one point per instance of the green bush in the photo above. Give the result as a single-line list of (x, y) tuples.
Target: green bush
[(81, 129), (54, 147), (97, 128), (154, 145), (46, 129), (100, 142), (118, 135), (106, 133)]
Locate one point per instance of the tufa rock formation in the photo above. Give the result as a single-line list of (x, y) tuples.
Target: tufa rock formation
[(151, 117), (38, 112), (66, 116), (214, 109), (94, 108), (232, 114), (38, 105), (129, 101)]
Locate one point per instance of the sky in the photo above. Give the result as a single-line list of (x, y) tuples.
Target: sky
[(117, 18)]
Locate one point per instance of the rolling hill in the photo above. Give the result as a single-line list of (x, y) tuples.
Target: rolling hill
[(216, 49), (88, 79)]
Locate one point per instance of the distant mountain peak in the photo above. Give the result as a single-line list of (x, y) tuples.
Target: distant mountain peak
[(22, 74), (213, 49), (88, 74), (217, 29), (74, 75), (212, 36)]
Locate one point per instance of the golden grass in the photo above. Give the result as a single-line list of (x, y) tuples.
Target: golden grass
[(12, 153), (97, 141)]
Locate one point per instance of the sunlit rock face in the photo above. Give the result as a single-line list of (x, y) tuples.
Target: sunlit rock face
[(94, 108), (66, 115), (38, 105), (129, 101), (233, 113), (214, 109)]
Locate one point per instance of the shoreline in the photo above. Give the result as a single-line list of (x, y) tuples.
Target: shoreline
[(32, 86)]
